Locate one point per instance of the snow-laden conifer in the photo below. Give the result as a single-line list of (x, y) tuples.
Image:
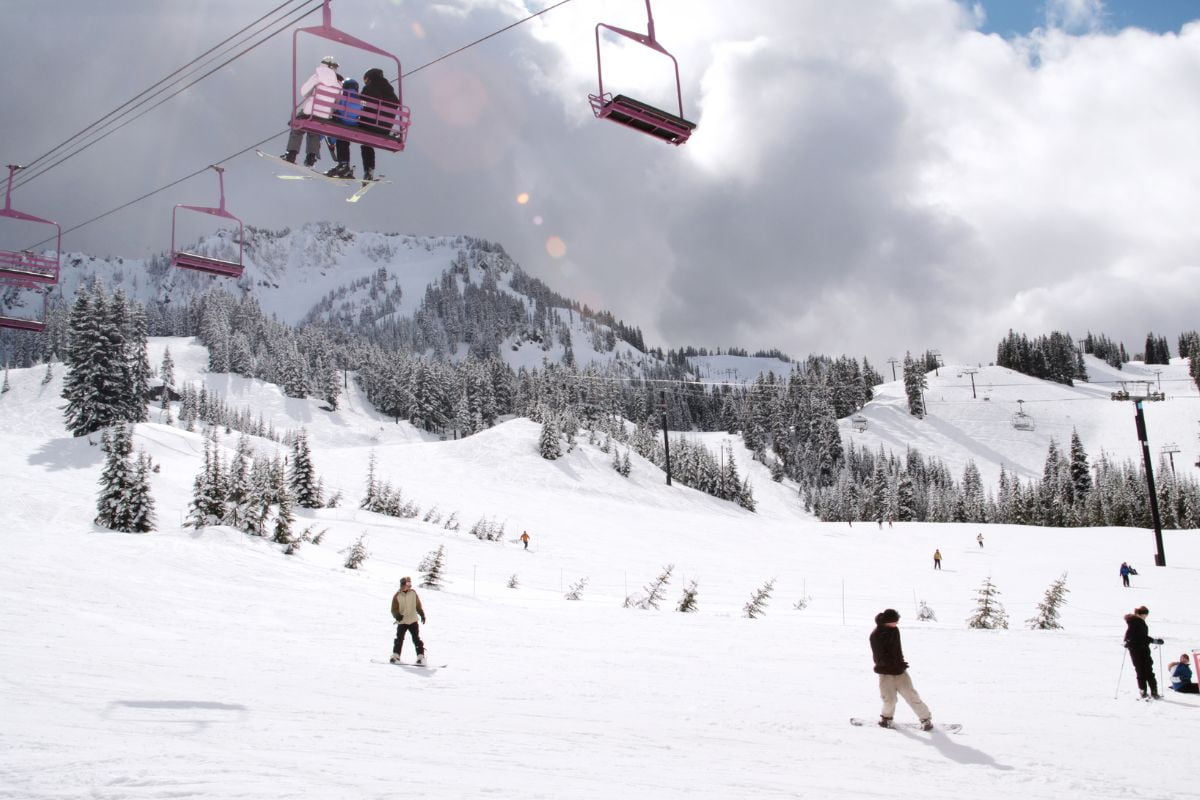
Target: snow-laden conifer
[(575, 591), (757, 604), (1047, 610), (358, 553), (989, 613), (687, 601), (433, 568)]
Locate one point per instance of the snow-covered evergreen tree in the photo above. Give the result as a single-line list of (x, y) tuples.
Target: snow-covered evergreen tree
[(124, 503), (575, 591), (358, 553), (302, 476), (656, 590), (687, 601), (757, 604), (925, 613), (1047, 610), (550, 440), (989, 613), (284, 519), (433, 568), (915, 384)]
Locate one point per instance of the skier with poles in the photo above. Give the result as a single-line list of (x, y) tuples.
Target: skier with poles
[(1138, 641)]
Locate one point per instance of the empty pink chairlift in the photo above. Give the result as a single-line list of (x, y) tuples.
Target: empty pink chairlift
[(389, 121), (671, 128), (200, 263), (25, 269)]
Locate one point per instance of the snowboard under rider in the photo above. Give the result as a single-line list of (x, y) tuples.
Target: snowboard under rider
[(892, 670), (406, 608), (1138, 641)]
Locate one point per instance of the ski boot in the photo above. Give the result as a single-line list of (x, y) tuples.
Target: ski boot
[(926, 724), (395, 659), (885, 722), (420, 659), (368, 175), (310, 160), (289, 156), (340, 170)]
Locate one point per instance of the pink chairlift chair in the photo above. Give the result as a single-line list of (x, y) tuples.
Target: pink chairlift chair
[(671, 128), (391, 118), (25, 269), (213, 266)]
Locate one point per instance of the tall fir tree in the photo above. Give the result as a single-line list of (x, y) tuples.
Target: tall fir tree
[(302, 477)]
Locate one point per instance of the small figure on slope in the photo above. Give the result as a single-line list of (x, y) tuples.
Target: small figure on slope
[(1181, 676), (979, 539), (892, 670), (406, 608), (525, 539), (1125, 570), (937, 559), (1138, 641)]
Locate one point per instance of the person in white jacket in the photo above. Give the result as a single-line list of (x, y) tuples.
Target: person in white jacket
[(315, 106)]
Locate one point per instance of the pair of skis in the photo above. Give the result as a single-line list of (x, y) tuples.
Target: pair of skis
[(304, 173)]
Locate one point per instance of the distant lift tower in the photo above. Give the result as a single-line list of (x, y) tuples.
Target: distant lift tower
[(1139, 418)]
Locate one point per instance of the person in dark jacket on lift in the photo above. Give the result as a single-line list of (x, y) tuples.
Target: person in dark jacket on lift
[(378, 116), (1138, 641), (892, 670)]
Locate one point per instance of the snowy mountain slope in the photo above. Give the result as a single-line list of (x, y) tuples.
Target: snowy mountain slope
[(960, 427), (206, 663)]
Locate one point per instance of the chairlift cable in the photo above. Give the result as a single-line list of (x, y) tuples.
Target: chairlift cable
[(109, 119), (261, 142)]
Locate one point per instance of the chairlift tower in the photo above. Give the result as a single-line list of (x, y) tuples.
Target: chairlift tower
[(859, 422), (1139, 418), (1170, 449), (972, 372), (893, 361)]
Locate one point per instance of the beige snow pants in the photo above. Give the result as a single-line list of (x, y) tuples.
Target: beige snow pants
[(891, 685)]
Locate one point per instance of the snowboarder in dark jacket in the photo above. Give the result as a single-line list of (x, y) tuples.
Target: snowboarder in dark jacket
[(1138, 641), (892, 670)]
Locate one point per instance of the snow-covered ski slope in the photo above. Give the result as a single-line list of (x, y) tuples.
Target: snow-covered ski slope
[(960, 426), (189, 663)]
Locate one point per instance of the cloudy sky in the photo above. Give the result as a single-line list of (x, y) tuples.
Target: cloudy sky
[(867, 176)]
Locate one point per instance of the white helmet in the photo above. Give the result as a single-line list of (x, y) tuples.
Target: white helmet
[(330, 60)]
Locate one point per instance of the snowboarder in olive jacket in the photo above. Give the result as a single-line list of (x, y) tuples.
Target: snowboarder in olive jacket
[(892, 670), (406, 608)]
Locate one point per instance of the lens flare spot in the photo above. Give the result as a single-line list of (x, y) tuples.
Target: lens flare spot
[(418, 30), (537, 220), (556, 247), (523, 198)]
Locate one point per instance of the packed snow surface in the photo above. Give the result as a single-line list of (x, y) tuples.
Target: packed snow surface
[(186, 663)]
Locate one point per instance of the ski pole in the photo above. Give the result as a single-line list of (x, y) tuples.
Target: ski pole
[(1119, 674)]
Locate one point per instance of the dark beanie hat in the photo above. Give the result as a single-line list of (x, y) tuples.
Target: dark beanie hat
[(888, 615), (1141, 610)]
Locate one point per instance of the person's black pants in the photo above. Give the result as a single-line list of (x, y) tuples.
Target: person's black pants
[(1188, 688), (415, 629), (1143, 664)]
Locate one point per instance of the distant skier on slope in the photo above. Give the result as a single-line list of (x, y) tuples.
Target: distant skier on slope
[(1125, 570), (892, 670), (937, 559), (406, 608), (1138, 641), (525, 539), (979, 539)]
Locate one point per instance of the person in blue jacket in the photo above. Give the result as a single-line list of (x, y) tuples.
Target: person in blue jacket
[(1181, 676), (1125, 574), (345, 112)]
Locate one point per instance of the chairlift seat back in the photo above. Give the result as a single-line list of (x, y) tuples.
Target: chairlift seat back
[(213, 266)]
